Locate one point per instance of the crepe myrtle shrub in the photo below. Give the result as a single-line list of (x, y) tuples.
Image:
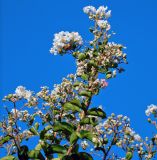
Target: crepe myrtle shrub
[(62, 123)]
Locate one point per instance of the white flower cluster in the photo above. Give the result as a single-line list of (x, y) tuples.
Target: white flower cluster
[(62, 91), (22, 115), (100, 13), (64, 41), (128, 130), (104, 24), (21, 92), (152, 109), (81, 67)]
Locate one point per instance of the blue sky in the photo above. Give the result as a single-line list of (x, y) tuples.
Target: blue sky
[(26, 33)]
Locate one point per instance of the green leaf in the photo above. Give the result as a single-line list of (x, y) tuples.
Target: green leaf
[(87, 135), (36, 125), (9, 158), (38, 147), (96, 112), (108, 75), (5, 140), (102, 70), (44, 131), (77, 83), (76, 102), (92, 63), (129, 155), (85, 93), (63, 126), (88, 120), (32, 130), (56, 148), (68, 106), (81, 56), (56, 111), (73, 138), (84, 76), (35, 154), (31, 120), (48, 136)]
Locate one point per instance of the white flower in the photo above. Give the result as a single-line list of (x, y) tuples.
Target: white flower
[(119, 116), (101, 11), (103, 24), (16, 112), (64, 41), (137, 137), (90, 10), (28, 95), (108, 14), (152, 109), (20, 91)]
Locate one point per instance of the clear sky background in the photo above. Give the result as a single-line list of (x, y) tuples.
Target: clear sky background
[(26, 33)]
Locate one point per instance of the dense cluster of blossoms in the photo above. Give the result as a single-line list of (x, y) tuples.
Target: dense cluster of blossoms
[(63, 119), (152, 109), (64, 41), (99, 13), (21, 92)]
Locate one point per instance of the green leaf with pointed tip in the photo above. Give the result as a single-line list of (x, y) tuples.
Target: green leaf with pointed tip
[(56, 148), (73, 138), (129, 155), (96, 112), (76, 102), (5, 140), (9, 158), (35, 154), (86, 134), (85, 93), (31, 120), (32, 130), (70, 107), (38, 147), (36, 125), (63, 126)]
